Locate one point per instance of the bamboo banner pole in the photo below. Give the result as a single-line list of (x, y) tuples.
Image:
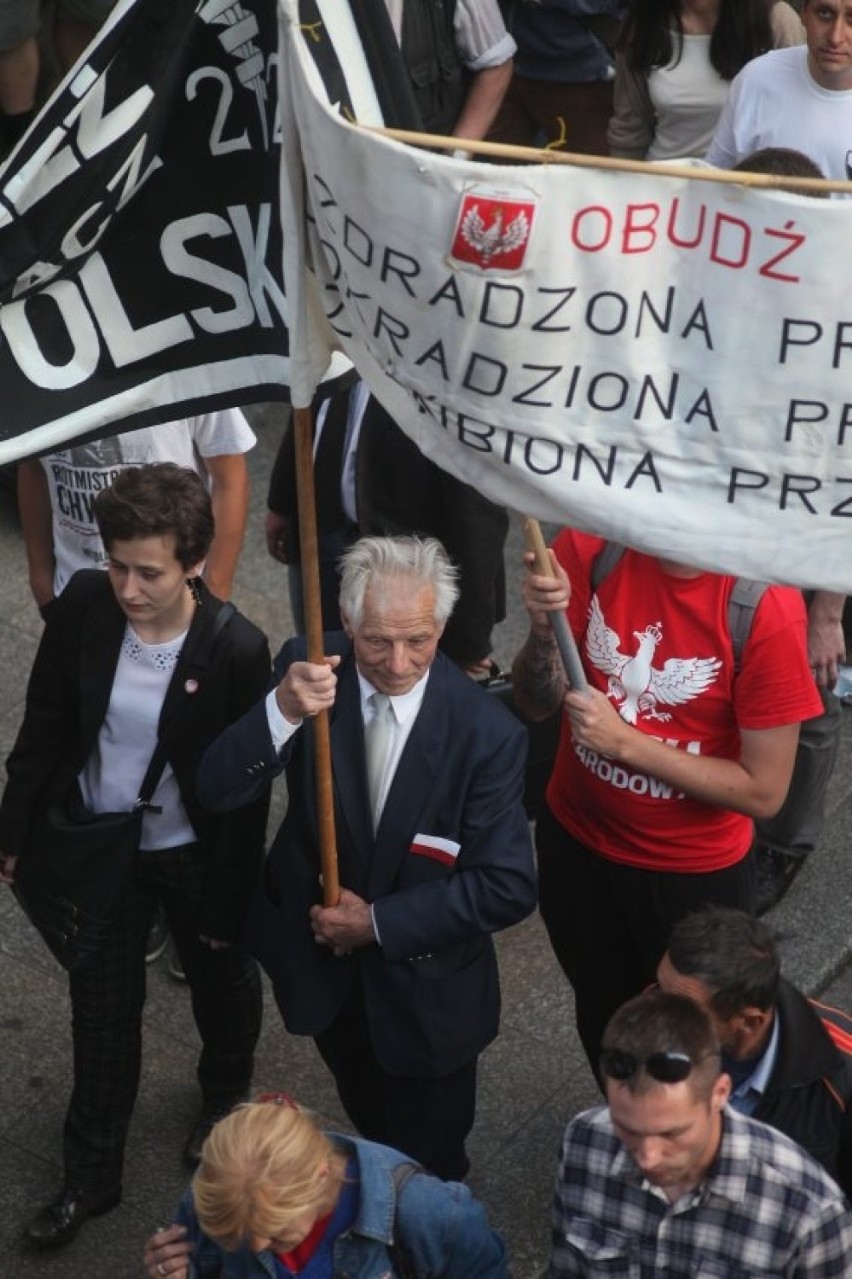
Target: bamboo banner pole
[(534, 155), (565, 641), (309, 554)]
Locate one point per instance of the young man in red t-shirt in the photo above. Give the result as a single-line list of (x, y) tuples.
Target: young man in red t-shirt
[(663, 766)]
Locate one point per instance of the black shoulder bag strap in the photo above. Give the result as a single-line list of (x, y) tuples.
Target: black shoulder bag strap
[(158, 759)]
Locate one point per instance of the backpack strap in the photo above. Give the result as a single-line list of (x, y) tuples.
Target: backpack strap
[(604, 563), (401, 1174), (742, 606), (742, 603)]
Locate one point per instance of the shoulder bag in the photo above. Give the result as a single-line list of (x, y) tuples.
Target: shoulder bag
[(77, 863), (75, 867)]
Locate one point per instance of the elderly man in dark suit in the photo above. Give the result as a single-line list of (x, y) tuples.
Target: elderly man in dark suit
[(398, 982)]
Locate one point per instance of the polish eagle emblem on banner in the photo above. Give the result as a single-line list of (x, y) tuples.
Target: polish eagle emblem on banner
[(492, 233)]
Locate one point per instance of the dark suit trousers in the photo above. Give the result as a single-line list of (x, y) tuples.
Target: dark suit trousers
[(609, 924), (106, 1001), (427, 1119)]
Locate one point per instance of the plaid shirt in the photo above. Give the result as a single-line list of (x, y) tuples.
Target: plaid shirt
[(764, 1210)]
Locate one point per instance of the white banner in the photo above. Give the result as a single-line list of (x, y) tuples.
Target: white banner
[(660, 360)]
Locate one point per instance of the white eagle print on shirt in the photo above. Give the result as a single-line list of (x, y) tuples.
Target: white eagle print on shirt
[(637, 686)]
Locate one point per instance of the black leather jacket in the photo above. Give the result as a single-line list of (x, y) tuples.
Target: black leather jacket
[(811, 1085)]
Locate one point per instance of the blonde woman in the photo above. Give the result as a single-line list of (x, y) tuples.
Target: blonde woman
[(276, 1197)]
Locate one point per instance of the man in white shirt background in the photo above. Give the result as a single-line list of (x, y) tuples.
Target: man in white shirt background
[(799, 97), (55, 495)]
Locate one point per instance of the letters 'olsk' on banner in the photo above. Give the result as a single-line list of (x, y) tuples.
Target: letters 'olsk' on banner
[(140, 235)]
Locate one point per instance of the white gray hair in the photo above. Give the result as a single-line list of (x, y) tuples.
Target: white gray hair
[(422, 561)]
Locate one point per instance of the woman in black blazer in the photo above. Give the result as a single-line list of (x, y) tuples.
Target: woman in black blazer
[(128, 658)]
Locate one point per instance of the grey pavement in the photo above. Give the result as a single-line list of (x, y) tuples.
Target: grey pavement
[(532, 1079)]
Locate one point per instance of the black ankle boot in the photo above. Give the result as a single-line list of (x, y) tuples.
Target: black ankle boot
[(58, 1222)]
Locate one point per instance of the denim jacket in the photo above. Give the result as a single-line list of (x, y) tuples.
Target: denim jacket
[(444, 1232)]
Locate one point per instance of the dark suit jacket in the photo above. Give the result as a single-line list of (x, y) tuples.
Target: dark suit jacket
[(282, 496), (401, 491), (67, 699), (431, 988)]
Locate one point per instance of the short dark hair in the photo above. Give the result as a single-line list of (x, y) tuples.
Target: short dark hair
[(730, 953), (784, 162), (154, 501), (656, 1022)]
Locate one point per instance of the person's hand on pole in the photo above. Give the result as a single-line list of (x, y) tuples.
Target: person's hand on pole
[(595, 723), (544, 593), (545, 563), (307, 688), (344, 927)]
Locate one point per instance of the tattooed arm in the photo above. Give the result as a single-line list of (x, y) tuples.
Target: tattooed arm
[(537, 672)]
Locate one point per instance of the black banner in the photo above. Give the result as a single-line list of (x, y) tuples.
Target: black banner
[(386, 69), (140, 238)]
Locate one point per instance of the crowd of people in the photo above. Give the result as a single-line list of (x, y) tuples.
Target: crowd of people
[(724, 1144)]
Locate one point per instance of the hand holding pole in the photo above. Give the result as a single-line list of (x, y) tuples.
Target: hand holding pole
[(558, 621)]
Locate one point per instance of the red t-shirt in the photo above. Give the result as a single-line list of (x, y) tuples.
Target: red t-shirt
[(660, 647)]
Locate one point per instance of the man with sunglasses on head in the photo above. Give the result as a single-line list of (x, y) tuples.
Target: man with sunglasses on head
[(668, 1180)]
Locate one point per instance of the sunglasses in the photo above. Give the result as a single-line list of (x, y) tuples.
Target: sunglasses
[(665, 1067)]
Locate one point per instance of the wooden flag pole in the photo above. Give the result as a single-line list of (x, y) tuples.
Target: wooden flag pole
[(536, 155), (559, 622), (309, 552)]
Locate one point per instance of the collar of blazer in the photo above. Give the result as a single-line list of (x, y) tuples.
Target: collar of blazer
[(102, 632)]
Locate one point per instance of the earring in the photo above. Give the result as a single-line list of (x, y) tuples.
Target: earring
[(194, 589)]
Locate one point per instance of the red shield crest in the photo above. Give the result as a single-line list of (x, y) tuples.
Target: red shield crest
[(493, 234)]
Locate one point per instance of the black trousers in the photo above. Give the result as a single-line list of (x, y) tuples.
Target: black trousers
[(609, 924), (106, 1003), (427, 1119)]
